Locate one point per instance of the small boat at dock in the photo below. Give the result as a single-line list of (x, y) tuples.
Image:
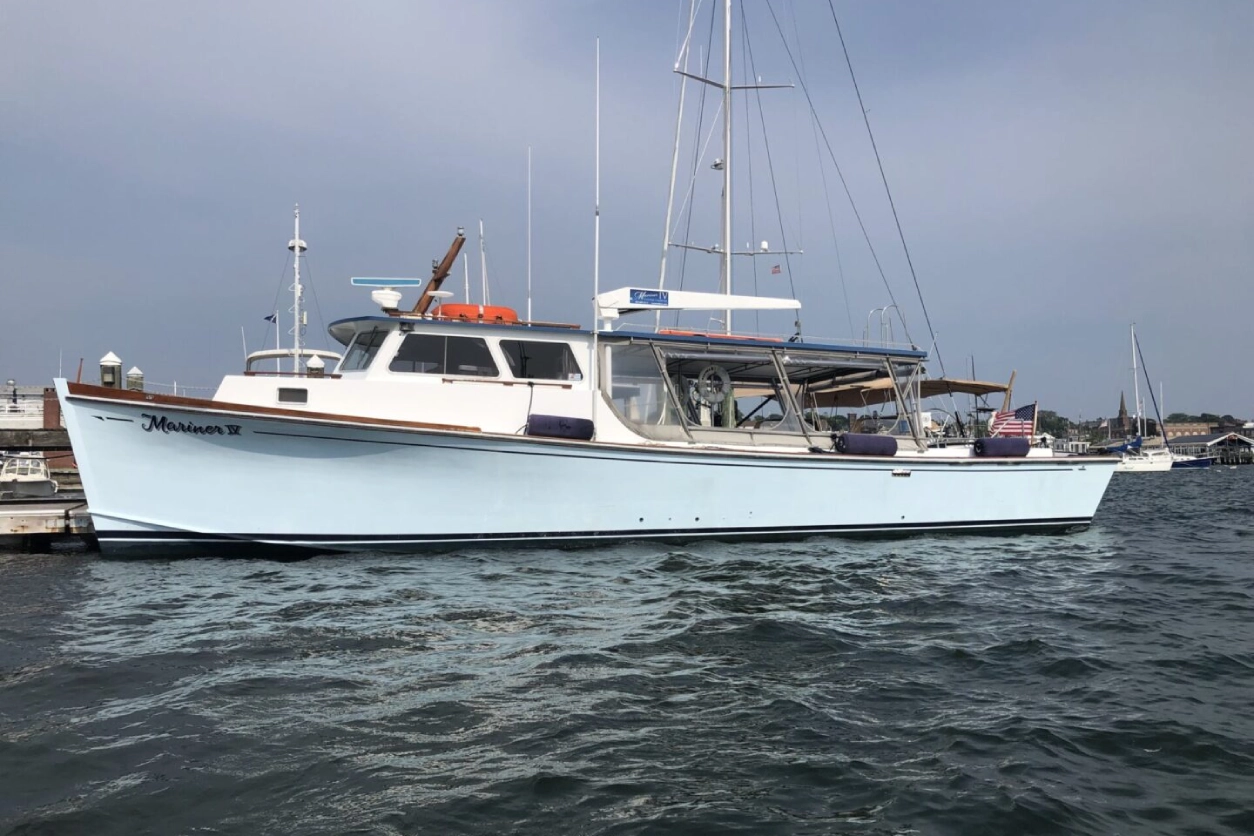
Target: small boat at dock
[(25, 475)]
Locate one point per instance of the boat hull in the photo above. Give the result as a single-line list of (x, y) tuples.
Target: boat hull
[(1144, 464), (28, 488), (1192, 463), (164, 479)]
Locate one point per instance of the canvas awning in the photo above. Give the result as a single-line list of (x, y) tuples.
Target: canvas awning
[(875, 392)]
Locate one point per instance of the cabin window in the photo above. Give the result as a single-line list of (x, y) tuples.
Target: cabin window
[(731, 389), (638, 390), (440, 354), (293, 395), (365, 346), (540, 360)]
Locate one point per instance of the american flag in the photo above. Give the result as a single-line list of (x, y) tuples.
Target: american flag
[(1021, 423)]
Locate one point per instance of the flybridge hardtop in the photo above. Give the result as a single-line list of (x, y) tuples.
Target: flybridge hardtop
[(614, 303), (344, 330)]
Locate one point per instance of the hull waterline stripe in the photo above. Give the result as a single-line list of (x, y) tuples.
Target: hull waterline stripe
[(627, 534)]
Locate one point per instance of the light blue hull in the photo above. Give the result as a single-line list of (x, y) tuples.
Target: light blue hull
[(161, 480)]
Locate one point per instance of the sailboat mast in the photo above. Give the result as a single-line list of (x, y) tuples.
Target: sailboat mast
[(529, 233), (726, 255), (679, 121), (1136, 388), (297, 247)]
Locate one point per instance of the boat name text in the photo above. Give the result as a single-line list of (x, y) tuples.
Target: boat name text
[(161, 424)]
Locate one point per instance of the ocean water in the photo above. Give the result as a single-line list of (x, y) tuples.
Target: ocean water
[(1095, 683)]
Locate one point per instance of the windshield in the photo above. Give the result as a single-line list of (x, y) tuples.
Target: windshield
[(365, 346)]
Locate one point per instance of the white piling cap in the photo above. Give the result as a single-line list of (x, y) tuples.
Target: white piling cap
[(111, 359), (134, 372), (315, 362)]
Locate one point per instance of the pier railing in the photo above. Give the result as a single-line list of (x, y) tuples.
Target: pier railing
[(22, 413)]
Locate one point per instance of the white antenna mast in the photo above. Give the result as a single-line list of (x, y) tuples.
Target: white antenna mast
[(483, 262), (529, 233), (594, 374), (466, 275), (727, 149), (297, 247), (596, 215)]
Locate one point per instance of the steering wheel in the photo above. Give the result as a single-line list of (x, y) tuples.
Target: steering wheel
[(712, 386)]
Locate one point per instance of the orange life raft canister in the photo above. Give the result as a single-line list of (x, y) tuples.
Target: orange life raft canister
[(477, 313)]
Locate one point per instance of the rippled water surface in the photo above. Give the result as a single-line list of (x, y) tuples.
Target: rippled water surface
[(1099, 683)]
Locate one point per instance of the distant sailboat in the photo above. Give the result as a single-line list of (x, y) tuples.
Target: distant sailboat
[(1142, 460), (1135, 458)]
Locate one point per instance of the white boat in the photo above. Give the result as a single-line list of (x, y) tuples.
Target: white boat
[(435, 432), (1153, 460), (451, 425), (25, 474)]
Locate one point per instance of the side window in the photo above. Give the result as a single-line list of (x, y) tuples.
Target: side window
[(636, 386), (365, 346), (438, 354), (541, 360)]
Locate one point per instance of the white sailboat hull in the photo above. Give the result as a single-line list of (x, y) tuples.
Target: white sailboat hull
[(162, 480), (1155, 461)]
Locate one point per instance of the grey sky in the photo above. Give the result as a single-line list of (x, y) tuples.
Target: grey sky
[(1060, 170)]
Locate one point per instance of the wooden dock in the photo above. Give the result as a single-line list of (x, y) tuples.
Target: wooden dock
[(39, 525)]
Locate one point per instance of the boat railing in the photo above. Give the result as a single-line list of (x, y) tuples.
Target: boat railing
[(177, 388)]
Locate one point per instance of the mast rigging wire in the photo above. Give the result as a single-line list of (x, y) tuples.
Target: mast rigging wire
[(827, 195), (770, 164), (843, 182), (274, 308), (313, 291), (902, 235), (696, 156), (753, 229)]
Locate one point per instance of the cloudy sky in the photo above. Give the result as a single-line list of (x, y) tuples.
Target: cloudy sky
[(1060, 170)]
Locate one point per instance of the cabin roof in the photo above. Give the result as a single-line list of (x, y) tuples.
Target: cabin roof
[(745, 342), (342, 330)]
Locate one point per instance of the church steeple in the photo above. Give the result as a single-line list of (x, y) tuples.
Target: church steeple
[(1124, 422)]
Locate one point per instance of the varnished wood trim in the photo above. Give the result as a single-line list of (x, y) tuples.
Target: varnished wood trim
[(86, 390)]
